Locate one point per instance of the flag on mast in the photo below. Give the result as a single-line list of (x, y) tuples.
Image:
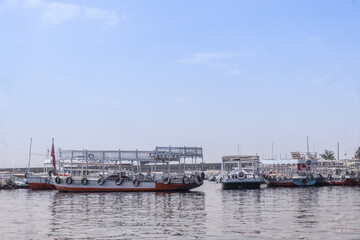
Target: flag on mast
[(53, 154)]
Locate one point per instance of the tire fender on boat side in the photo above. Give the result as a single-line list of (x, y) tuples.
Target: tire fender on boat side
[(167, 180), (136, 182), (202, 175), (58, 180), (186, 180), (84, 181), (69, 180), (101, 181), (309, 177), (118, 181), (241, 175)]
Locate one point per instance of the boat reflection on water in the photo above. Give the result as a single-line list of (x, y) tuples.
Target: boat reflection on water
[(241, 212), (131, 215)]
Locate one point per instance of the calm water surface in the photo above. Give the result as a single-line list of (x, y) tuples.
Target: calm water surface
[(207, 213)]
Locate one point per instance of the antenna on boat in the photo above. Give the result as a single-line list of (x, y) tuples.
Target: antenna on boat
[(29, 154), (338, 147), (307, 144)]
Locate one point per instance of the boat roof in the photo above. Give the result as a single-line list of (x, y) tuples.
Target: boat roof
[(236, 158), (160, 153)]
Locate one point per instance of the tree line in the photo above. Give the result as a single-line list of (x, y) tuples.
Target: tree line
[(329, 155)]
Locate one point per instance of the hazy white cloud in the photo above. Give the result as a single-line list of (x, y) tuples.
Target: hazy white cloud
[(206, 58), (234, 72), (315, 38), (54, 12), (214, 60)]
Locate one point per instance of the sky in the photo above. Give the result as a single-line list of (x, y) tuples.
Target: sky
[(229, 76)]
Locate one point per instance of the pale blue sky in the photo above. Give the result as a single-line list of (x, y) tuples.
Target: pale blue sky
[(138, 74)]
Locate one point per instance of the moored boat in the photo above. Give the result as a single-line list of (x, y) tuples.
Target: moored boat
[(6, 181), (116, 171), (300, 170), (240, 171), (335, 172), (43, 180)]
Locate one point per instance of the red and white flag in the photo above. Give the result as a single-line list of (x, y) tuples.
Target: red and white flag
[(53, 154)]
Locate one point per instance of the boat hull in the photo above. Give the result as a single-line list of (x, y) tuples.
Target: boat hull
[(336, 181), (290, 183), (125, 186), (39, 182)]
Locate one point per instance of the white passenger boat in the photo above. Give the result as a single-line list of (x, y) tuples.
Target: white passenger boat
[(240, 171), (300, 170), (115, 171), (335, 172)]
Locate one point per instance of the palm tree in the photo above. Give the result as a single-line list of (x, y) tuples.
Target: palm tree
[(328, 155), (357, 153)]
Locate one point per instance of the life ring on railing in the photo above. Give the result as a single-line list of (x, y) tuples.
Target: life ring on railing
[(186, 180), (58, 180), (241, 175), (101, 181), (308, 162), (198, 179), (91, 156), (136, 182), (167, 180), (118, 181), (69, 180), (84, 181), (202, 175)]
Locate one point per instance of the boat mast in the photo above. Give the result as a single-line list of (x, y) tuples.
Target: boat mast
[(307, 145), (29, 155)]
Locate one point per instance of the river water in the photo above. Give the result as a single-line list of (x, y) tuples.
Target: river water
[(207, 212)]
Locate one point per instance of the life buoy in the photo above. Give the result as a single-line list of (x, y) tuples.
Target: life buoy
[(308, 162), (119, 181), (101, 181), (69, 180), (198, 179), (91, 156), (136, 182), (84, 181), (186, 180), (202, 176), (167, 180), (57, 180), (241, 175)]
